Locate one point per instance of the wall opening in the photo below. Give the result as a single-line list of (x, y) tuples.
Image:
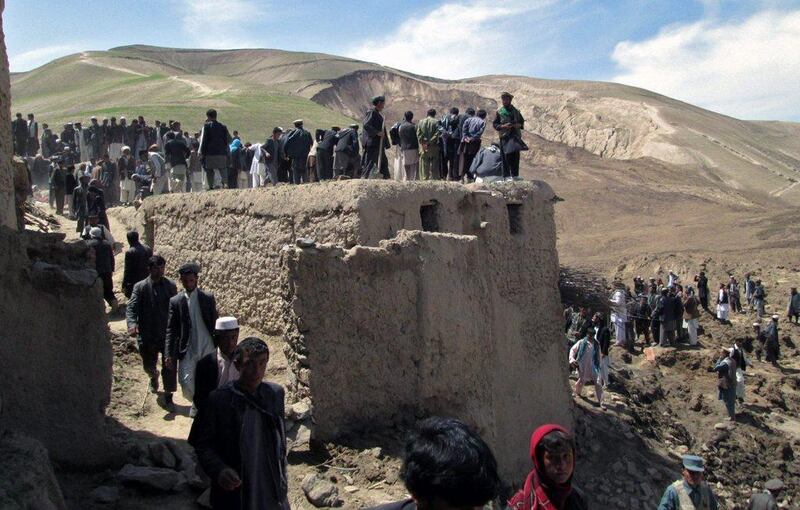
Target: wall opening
[(515, 218), (429, 214)]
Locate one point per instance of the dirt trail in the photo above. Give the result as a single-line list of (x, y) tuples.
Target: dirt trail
[(86, 59), (200, 89)]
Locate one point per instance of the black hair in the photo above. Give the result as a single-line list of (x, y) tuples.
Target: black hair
[(277, 130), (445, 460), (156, 260), (144, 151), (250, 346), (211, 113), (408, 116), (195, 144), (482, 113), (432, 112), (454, 110), (470, 111), (555, 442), (133, 237), (170, 135)]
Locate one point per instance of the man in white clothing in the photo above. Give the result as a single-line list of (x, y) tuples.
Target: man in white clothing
[(619, 312)]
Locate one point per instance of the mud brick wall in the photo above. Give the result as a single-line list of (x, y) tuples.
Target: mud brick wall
[(8, 214), (462, 323)]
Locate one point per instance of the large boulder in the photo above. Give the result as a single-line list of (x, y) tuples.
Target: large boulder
[(28, 480)]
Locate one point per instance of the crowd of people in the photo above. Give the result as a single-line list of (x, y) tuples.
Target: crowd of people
[(238, 430), (130, 161), (669, 313)]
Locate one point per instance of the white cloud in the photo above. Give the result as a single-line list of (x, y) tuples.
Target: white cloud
[(455, 40), (36, 57), (220, 24), (749, 69)]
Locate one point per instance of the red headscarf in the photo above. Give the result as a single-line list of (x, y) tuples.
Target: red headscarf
[(535, 495)]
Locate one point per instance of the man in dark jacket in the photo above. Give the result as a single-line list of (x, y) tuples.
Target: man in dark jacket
[(409, 145), (214, 148), (217, 369), (297, 146), (509, 123), (642, 319), (672, 312), (175, 153), (19, 130), (147, 315), (137, 263), (375, 141), (192, 315), (446, 465), (325, 149), (104, 264), (472, 129), (451, 138), (488, 166), (768, 499), (58, 185), (240, 438), (274, 154), (346, 157), (702, 289)]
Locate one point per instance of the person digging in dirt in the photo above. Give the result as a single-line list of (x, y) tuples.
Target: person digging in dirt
[(215, 370), (192, 315), (772, 347), (147, 315), (691, 492), (446, 466), (726, 381), (240, 439), (584, 356), (768, 499), (549, 484), (793, 308)]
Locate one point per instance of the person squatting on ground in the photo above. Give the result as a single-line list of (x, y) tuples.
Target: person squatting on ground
[(692, 491), (192, 317), (446, 466), (240, 438), (549, 485), (584, 357), (147, 316)]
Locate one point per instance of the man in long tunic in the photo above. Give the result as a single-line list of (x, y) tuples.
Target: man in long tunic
[(509, 123), (429, 135), (192, 315), (584, 356), (375, 141), (240, 437)]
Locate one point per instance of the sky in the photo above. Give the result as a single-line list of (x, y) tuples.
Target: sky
[(737, 57)]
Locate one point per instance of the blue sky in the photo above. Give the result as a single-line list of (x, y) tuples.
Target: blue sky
[(737, 57)]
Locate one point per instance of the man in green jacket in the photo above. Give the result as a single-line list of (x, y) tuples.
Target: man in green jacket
[(428, 134), (509, 123)]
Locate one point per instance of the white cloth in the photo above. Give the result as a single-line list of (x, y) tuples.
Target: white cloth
[(127, 190), (200, 344), (398, 169), (691, 326), (739, 383), (722, 308), (258, 156), (198, 181), (602, 377), (226, 369), (115, 151)]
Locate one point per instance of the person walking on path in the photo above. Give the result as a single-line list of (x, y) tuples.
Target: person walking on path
[(147, 316), (584, 357), (137, 263), (192, 316)]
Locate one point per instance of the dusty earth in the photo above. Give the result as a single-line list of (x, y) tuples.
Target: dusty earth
[(627, 453)]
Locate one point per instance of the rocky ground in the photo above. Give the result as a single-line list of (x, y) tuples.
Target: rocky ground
[(657, 410)]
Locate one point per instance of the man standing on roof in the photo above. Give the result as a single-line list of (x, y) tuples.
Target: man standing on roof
[(375, 141), (346, 155), (213, 151), (509, 123), (297, 146)]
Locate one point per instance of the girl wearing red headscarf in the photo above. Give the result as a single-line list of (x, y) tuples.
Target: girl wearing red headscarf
[(549, 485)]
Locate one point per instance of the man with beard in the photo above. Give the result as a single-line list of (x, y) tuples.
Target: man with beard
[(509, 123), (192, 315), (375, 140)]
